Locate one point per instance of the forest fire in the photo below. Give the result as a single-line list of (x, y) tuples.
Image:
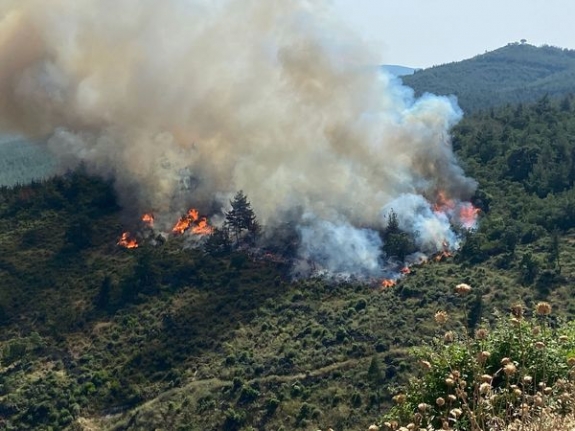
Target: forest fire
[(192, 220), (202, 227), (148, 219), (442, 255), (387, 283), (463, 212), (127, 241), (405, 270), (443, 203), (468, 215)]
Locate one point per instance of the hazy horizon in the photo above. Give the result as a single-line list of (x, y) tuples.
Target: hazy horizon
[(421, 34)]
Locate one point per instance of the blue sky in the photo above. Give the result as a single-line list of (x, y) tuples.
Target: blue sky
[(423, 33)]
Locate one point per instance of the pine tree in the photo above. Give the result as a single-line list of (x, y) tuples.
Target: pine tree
[(555, 250), (396, 243), (374, 374), (102, 300), (241, 218)]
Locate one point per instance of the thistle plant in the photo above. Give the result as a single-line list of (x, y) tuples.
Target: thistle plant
[(514, 374)]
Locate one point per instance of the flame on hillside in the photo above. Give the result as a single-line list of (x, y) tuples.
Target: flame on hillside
[(127, 241), (468, 215), (387, 283), (443, 203), (148, 219), (464, 213), (296, 121), (192, 221)]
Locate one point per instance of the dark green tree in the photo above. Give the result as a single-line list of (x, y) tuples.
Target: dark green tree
[(241, 218), (374, 374), (475, 311), (529, 268), (103, 298), (218, 242), (555, 250), (396, 243)]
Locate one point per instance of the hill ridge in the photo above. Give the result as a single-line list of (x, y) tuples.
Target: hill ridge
[(515, 73)]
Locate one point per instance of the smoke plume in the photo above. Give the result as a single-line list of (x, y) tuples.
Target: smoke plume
[(188, 101)]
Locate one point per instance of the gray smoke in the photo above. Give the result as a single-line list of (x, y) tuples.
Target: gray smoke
[(187, 101)]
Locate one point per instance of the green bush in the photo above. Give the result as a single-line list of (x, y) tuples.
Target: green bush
[(510, 370)]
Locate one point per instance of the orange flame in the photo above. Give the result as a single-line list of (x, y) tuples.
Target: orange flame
[(468, 215), (182, 225), (148, 219), (193, 214), (387, 283), (193, 217), (405, 270), (442, 255), (442, 202), (202, 228), (127, 242)]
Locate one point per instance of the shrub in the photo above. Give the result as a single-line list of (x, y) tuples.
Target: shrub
[(514, 371)]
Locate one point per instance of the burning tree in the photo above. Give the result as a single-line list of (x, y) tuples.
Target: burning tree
[(241, 219)]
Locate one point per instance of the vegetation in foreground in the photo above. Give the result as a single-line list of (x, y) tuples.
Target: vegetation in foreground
[(517, 374)]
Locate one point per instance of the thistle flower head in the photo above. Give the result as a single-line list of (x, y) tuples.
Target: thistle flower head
[(539, 345), (441, 317), (399, 398), (455, 413), (509, 369), (486, 378), (483, 356), (543, 308), (462, 289), (481, 334), (448, 337), (517, 310), (484, 388)]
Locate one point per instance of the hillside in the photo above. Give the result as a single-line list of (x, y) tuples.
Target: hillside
[(512, 74), (22, 161), (98, 337), (397, 70)]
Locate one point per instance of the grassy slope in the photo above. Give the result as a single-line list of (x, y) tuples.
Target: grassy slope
[(512, 74)]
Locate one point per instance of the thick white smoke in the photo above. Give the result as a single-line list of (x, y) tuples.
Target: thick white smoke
[(185, 101)]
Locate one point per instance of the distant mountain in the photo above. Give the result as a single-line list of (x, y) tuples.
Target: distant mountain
[(512, 74), (397, 70), (22, 161)]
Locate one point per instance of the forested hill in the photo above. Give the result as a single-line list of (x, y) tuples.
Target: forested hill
[(512, 74), (98, 337)]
